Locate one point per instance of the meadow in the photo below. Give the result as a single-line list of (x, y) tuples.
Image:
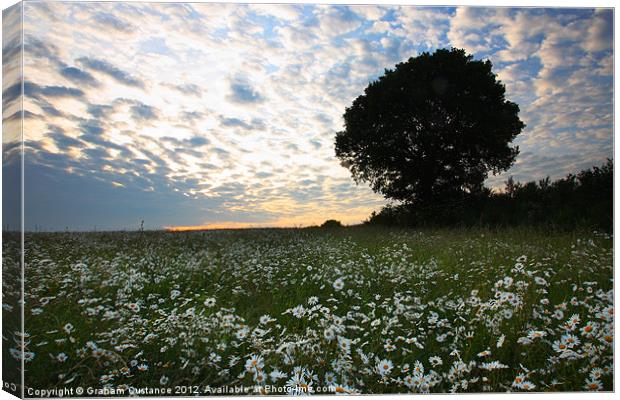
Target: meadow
[(355, 310)]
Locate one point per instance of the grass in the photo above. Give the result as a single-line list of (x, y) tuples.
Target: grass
[(133, 310)]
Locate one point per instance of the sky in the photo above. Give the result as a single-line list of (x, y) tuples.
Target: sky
[(218, 115)]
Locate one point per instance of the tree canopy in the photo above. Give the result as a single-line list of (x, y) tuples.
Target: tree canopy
[(430, 129)]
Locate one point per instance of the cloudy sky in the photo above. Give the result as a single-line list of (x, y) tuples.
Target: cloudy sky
[(225, 115)]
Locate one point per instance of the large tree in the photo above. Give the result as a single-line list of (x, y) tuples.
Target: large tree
[(431, 129)]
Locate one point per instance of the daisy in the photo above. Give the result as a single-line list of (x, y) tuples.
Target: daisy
[(588, 329), (607, 338), (570, 340), (344, 344), (209, 302), (330, 379), (573, 321), (418, 368), (260, 377), (384, 367), (233, 360), (329, 334), (28, 356), (363, 356), (596, 373), (389, 347), (276, 375), (484, 353), (593, 384), (296, 381), (298, 311), (254, 362), (68, 328), (527, 385), (435, 361), (493, 365), (519, 379), (559, 346), (338, 284), (540, 281), (343, 390), (242, 333), (534, 334)]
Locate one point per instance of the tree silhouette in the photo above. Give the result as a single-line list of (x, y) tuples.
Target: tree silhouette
[(331, 223), (431, 129)]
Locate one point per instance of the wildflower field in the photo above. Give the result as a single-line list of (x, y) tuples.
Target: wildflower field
[(355, 310)]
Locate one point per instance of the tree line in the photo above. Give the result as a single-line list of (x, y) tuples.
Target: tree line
[(578, 200)]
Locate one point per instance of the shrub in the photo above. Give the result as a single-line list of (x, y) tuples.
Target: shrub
[(331, 223)]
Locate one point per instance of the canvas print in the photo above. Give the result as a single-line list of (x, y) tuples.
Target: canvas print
[(290, 199)]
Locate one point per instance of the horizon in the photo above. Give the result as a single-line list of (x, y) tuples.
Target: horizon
[(223, 116), (226, 226)]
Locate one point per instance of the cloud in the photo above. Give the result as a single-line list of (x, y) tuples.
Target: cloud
[(143, 112), (78, 76), (336, 20), (108, 20), (193, 116), (243, 92), (293, 37), (316, 143), (600, 32), (254, 124), (35, 47), (110, 70), (64, 142), (282, 12), (91, 127), (421, 25), (33, 90), (186, 88), (198, 141), (99, 110)]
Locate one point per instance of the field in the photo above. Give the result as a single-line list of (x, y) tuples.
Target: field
[(358, 310)]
